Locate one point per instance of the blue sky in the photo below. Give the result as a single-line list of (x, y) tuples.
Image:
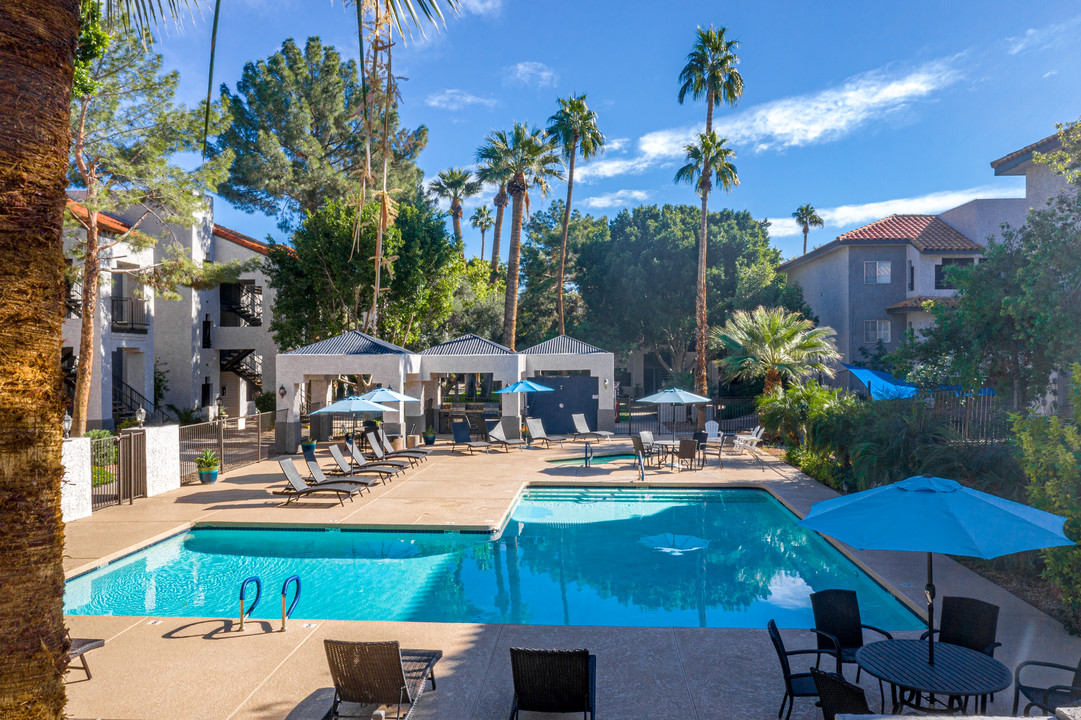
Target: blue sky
[(861, 109)]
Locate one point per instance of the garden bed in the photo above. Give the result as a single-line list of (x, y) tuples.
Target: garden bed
[(1033, 589)]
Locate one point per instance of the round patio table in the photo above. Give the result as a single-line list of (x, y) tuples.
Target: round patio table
[(958, 673)]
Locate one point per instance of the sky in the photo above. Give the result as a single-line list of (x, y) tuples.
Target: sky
[(862, 109)]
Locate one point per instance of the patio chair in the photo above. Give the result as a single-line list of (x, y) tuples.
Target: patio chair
[(379, 673), (581, 429), (838, 696), (712, 430), (553, 681), (538, 434), (968, 622), (346, 469), (364, 463), (78, 648), (687, 454), (837, 619), (641, 449), (702, 439), (750, 441), (460, 431), (318, 478), (1047, 699), (798, 684), (497, 436), (297, 488), (389, 448), (378, 456)]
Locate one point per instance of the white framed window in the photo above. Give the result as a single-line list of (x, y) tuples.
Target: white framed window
[(876, 272), (875, 330)]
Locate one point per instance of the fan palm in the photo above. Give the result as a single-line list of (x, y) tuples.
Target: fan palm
[(494, 171), (710, 72), (482, 220), (775, 344), (455, 185), (574, 126), (807, 217), (532, 160), (39, 40)]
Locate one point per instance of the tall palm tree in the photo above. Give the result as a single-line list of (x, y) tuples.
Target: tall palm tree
[(574, 126), (455, 185), (494, 171), (532, 160), (775, 344), (39, 40), (807, 217), (710, 72), (482, 220)]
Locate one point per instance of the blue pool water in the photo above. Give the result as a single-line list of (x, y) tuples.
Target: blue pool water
[(568, 556), (625, 458)]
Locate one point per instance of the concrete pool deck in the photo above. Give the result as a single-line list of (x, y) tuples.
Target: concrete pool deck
[(192, 668)]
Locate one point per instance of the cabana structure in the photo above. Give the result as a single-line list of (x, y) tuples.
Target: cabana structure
[(583, 377), (485, 366)]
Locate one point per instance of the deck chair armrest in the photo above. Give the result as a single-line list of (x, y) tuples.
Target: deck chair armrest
[(835, 652), (990, 649), (928, 633), (1072, 689), (880, 631), (819, 652), (1040, 663)]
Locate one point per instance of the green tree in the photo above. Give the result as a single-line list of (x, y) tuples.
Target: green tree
[(574, 126), (455, 185), (481, 219), (124, 134), (710, 72), (531, 160), (494, 170), (476, 307), (1067, 159), (775, 344), (807, 217)]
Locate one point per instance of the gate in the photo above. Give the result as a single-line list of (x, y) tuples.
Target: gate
[(573, 394), (117, 468)]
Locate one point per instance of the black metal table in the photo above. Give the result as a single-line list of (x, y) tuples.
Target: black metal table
[(958, 673)]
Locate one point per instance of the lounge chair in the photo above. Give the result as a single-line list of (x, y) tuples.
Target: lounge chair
[(1047, 699), (838, 696), (380, 456), (749, 441), (797, 684), (297, 488), (389, 451), (379, 673), (460, 430), (346, 469), (538, 434), (319, 478), (79, 647), (363, 462), (419, 450), (497, 436), (553, 681), (581, 429)]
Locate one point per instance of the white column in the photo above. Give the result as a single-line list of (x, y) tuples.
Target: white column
[(75, 500)]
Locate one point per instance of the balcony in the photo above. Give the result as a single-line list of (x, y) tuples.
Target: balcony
[(244, 301), (129, 315)]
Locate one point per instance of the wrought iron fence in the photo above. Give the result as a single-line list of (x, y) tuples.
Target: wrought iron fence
[(117, 468), (732, 414), (236, 441)]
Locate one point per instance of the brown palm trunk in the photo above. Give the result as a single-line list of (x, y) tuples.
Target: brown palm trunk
[(500, 205), (84, 376), (37, 47), (700, 381), (773, 381), (482, 243), (456, 217), (510, 306), (566, 229), (805, 231)]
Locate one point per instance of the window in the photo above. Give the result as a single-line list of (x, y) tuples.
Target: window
[(941, 283), (911, 276), (875, 330), (876, 272)]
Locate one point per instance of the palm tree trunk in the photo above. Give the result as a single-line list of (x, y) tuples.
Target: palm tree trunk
[(563, 241), (700, 381), (37, 47), (384, 205), (773, 381), (482, 244), (84, 376), (500, 205), (510, 306), (805, 231)]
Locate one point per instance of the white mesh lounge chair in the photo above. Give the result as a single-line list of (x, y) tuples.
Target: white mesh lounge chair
[(379, 673), (412, 455), (497, 436), (364, 463), (538, 434), (347, 471), (297, 488), (460, 430), (379, 455), (581, 429), (390, 448)]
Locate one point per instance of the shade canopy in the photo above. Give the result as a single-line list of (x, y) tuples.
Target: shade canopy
[(353, 404), (524, 386), (382, 395), (674, 396)]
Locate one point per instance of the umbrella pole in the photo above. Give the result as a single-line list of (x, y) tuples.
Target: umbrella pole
[(929, 591)]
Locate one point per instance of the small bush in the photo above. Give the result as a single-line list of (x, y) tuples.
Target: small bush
[(820, 465), (266, 402)]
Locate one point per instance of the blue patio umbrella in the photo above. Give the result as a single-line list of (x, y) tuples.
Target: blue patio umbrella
[(524, 386), (931, 514), (674, 396), (353, 404), (382, 395)]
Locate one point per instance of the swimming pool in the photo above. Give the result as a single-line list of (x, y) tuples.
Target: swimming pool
[(628, 458), (568, 556)]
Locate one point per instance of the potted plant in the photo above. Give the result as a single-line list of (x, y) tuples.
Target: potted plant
[(429, 435), (208, 464)]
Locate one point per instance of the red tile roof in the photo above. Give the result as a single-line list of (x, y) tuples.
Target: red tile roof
[(927, 233), (105, 222), (240, 239)]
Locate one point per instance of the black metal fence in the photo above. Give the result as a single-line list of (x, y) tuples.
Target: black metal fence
[(117, 468), (236, 441), (731, 414)]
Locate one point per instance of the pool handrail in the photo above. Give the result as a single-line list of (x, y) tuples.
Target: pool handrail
[(258, 593), (286, 614)]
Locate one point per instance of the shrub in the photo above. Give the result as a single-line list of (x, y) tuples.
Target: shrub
[(266, 402), (821, 465)]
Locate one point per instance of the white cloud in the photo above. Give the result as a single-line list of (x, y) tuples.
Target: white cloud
[(482, 7), (616, 144), (454, 99), (531, 72), (1049, 73), (1040, 38), (932, 203), (616, 199)]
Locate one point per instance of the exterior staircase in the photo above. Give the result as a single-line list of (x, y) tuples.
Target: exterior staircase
[(126, 400), (244, 363), (246, 301)]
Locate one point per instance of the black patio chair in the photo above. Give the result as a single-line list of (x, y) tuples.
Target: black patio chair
[(837, 696), (78, 648), (837, 616), (798, 684), (379, 673), (701, 438), (968, 622), (1047, 699), (553, 681)]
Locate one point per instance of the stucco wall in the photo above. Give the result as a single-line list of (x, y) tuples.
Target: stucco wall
[(825, 282), (869, 302), (980, 219), (1041, 184), (75, 500), (162, 459)]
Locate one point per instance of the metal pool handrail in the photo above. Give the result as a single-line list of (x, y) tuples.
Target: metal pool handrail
[(258, 593), (588, 455), (286, 614)]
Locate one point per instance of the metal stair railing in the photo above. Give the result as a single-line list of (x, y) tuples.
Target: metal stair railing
[(126, 400)]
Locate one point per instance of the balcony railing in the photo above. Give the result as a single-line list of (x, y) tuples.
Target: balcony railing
[(245, 301), (129, 315)]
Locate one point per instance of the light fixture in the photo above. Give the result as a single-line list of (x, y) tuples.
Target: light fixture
[(281, 392), (66, 425), (140, 415), (606, 383)]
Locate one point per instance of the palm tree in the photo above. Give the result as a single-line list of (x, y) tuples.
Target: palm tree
[(710, 72), (39, 40), (455, 185), (574, 126), (807, 217), (775, 344), (495, 172), (482, 220), (531, 159)]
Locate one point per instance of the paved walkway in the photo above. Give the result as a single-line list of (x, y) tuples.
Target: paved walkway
[(191, 668)]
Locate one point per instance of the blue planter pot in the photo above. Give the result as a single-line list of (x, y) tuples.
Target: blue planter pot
[(429, 439), (208, 477)]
